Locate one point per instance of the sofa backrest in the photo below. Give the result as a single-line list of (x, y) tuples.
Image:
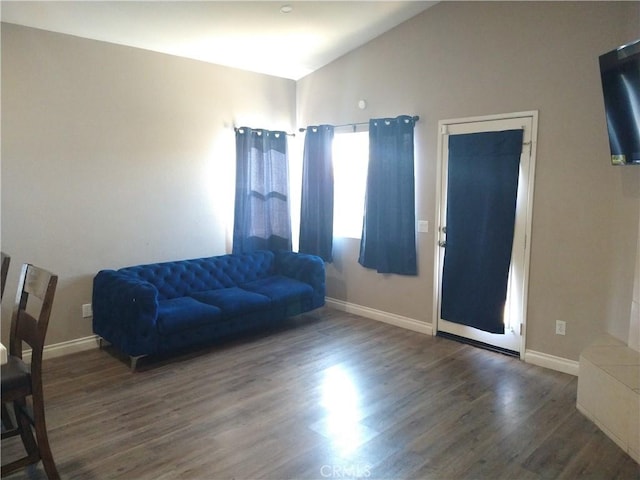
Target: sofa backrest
[(179, 278)]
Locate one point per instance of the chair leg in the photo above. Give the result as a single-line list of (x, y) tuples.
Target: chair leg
[(43, 439), (24, 427), (7, 422), (37, 448)]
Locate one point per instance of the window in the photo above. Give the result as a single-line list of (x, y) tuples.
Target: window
[(350, 162)]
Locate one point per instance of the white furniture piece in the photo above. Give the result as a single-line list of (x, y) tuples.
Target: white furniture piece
[(609, 391)]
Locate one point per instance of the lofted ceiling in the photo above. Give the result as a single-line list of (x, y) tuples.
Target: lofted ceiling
[(250, 35)]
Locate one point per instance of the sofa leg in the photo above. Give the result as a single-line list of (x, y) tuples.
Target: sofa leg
[(134, 361)]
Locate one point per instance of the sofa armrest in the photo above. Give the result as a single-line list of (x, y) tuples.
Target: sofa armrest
[(305, 268), (125, 310)]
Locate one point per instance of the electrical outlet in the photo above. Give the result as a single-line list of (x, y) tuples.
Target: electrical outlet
[(561, 327), (87, 311)]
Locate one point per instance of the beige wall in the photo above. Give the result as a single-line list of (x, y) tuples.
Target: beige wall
[(114, 156), (479, 58)]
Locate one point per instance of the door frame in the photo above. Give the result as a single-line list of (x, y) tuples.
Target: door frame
[(442, 134)]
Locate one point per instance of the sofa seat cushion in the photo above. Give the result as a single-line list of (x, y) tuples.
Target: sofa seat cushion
[(183, 313), (281, 290), (234, 301)]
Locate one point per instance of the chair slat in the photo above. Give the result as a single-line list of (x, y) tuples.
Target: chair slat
[(37, 282)]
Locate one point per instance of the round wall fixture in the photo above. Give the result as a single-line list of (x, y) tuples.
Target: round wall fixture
[(286, 9), (362, 104)]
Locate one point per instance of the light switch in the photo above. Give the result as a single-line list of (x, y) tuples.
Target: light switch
[(423, 226), (87, 311)]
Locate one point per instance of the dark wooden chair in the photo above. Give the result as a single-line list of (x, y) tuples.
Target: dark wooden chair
[(4, 269), (20, 380)]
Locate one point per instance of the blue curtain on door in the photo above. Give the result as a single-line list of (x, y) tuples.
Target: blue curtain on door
[(481, 207), (388, 241), (316, 213), (261, 218)]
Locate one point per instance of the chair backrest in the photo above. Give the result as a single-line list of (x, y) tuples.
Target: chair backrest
[(4, 269), (31, 326)]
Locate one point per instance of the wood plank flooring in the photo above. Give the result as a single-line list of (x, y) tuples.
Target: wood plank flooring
[(328, 395)]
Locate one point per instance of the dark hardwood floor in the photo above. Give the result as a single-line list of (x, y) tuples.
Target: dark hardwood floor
[(329, 395)]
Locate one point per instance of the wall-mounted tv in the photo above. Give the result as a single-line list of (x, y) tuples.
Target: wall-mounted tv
[(620, 74)]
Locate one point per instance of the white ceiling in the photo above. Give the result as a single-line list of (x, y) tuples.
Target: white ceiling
[(251, 35)]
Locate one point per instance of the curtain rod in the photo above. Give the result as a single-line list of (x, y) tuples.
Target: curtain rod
[(355, 124), (286, 133)]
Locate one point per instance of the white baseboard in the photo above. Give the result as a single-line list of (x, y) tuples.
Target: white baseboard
[(66, 348), (540, 359), (545, 360), (379, 315)]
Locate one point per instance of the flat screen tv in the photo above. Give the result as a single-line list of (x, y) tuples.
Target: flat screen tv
[(620, 75)]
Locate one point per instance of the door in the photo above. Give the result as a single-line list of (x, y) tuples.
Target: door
[(464, 291)]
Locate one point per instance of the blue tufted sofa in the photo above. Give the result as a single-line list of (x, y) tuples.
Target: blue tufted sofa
[(162, 307)]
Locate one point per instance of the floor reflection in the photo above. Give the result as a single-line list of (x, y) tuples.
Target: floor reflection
[(342, 401)]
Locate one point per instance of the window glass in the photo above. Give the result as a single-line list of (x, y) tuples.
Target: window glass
[(350, 162)]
